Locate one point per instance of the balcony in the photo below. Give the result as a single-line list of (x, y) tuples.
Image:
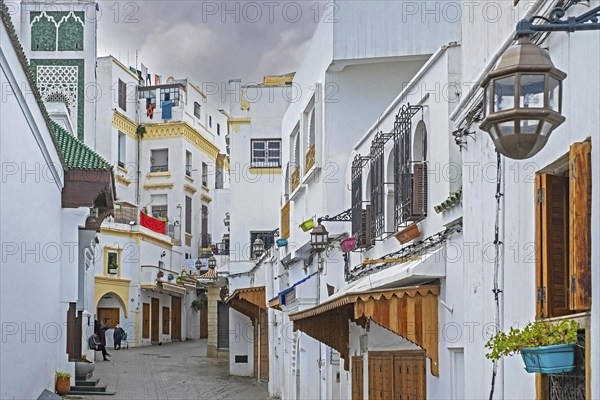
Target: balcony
[(126, 215), (285, 221), (295, 178), (159, 168), (309, 160)]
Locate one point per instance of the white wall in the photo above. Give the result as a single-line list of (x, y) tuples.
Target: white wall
[(33, 311)]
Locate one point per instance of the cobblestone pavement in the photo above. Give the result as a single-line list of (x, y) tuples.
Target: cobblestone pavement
[(171, 371)]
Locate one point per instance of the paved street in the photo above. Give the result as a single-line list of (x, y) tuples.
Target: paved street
[(171, 371)]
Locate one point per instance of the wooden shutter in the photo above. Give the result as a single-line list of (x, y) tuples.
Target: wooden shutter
[(552, 245), (367, 234), (580, 193), (146, 321), (175, 318), (264, 345), (419, 194), (166, 319), (357, 378), (154, 321)]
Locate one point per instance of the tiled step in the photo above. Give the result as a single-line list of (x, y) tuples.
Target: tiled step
[(91, 389), (90, 382)]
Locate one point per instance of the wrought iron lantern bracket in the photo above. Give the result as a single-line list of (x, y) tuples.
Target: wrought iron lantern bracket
[(588, 21), (344, 216)]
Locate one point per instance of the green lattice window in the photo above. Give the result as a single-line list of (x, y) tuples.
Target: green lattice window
[(43, 33), (50, 27)]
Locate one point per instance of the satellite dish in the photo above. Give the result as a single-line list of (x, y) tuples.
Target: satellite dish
[(170, 79)]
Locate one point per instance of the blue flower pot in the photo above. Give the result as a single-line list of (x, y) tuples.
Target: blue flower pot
[(281, 242), (554, 359)]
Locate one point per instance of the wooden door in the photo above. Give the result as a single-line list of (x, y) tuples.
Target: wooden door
[(146, 321), (154, 321), (166, 320), (409, 375), (108, 316), (264, 345), (204, 322), (381, 370), (175, 318), (357, 378)]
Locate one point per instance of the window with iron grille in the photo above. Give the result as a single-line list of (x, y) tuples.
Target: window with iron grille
[(268, 238), (266, 153), (149, 95), (122, 95), (121, 149), (360, 222), (377, 188), (170, 93), (159, 160), (204, 174), (403, 167)]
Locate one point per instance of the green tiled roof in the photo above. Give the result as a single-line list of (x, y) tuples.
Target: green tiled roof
[(76, 154)]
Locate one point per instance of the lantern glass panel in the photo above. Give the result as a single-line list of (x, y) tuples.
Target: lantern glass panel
[(546, 128), (506, 128), (532, 91), (504, 93), (529, 126), (554, 94)]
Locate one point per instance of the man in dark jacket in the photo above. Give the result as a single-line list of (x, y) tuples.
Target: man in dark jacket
[(100, 330)]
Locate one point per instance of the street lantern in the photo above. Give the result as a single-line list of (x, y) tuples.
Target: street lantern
[(212, 262), (319, 238), (199, 264), (258, 247), (522, 100)]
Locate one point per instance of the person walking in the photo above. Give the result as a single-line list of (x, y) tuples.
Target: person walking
[(118, 336), (100, 331)]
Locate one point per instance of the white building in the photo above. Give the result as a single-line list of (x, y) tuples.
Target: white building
[(255, 194), (59, 179), (171, 164), (530, 290)]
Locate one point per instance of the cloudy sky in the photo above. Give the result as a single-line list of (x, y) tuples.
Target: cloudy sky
[(210, 41)]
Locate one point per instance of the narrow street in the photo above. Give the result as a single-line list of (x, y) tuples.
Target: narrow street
[(171, 371)]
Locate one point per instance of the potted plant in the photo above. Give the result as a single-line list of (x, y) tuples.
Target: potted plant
[(113, 268), (63, 382), (547, 348), (307, 225), (198, 305)]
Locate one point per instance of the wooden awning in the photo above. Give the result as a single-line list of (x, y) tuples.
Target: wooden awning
[(274, 303), (248, 301), (410, 312)]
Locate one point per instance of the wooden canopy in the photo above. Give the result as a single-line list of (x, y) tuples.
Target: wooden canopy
[(248, 301), (410, 312)]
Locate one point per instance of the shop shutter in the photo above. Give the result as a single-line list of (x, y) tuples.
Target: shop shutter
[(223, 326)]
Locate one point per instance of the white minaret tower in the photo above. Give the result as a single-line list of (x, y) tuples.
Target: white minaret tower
[(59, 38)]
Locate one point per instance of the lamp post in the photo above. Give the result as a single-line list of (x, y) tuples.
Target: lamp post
[(523, 93)]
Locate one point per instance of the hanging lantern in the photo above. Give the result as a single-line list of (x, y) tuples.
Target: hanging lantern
[(258, 247), (212, 262), (199, 264), (319, 238), (522, 100)]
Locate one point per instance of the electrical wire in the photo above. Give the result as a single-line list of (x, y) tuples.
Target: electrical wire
[(497, 243)]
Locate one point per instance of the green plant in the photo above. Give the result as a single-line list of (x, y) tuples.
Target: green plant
[(63, 375), (534, 334), (140, 130), (113, 265), (198, 304)]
